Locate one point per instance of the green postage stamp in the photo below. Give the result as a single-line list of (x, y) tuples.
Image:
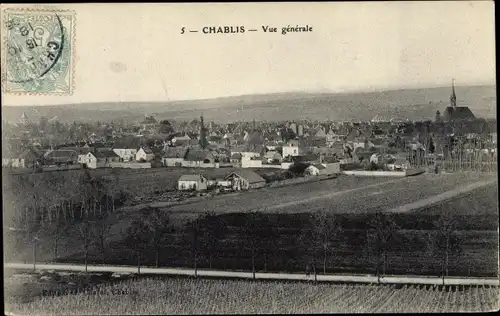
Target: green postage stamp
[(38, 51)]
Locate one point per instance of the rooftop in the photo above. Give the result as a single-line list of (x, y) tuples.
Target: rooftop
[(175, 152), (191, 177), (248, 175)]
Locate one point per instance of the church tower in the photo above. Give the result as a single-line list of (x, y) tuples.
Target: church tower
[(453, 96), (24, 118), (203, 134)]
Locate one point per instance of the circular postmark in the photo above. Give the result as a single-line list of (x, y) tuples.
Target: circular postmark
[(37, 51)]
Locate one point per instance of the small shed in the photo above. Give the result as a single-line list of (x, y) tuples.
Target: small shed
[(195, 182), (245, 179)]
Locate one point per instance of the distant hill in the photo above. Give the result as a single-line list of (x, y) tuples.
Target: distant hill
[(406, 103)]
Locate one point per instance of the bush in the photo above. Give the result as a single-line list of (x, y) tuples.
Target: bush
[(298, 168)]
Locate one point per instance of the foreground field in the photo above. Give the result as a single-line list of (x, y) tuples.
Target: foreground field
[(148, 296)]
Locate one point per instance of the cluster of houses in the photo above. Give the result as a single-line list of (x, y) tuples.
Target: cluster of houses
[(322, 145), (123, 152), (324, 151)]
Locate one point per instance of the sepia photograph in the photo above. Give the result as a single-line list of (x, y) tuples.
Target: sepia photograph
[(249, 158)]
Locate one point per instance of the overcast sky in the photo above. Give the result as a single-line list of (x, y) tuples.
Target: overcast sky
[(124, 52)]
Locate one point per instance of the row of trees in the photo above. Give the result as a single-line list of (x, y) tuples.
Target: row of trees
[(458, 154), (323, 232), (44, 201)]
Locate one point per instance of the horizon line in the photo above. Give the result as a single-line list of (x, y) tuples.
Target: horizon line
[(322, 91)]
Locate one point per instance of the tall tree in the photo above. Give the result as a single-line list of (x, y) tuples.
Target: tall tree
[(308, 239), (138, 237), (446, 241), (85, 235), (251, 227), (59, 230), (328, 229), (192, 232), (213, 230), (100, 228), (266, 237), (384, 231), (161, 230)]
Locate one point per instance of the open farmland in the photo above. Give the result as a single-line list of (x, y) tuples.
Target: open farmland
[(342, 195), (282, 248), (475, 213), (165, 295)]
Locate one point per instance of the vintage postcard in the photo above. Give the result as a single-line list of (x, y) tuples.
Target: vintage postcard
[(256, 158)]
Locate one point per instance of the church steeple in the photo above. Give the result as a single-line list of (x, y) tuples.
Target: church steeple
[(453, 96), (203, 134), (24, 118)]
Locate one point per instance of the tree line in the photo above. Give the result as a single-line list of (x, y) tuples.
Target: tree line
[(319, 239)]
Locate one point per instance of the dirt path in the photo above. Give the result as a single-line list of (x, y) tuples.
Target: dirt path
[(261, 276), (331, 195), (448, 195)]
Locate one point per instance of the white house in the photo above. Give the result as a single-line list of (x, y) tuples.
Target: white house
[(145, 154), (174, 156), (290, 149), (100, 159), (125, 154), (126, 148), (195, 182), (251, 162), (82, 155), (26, 159)]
